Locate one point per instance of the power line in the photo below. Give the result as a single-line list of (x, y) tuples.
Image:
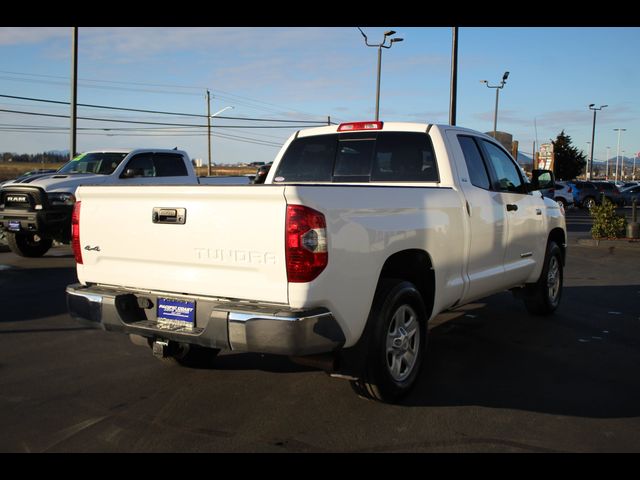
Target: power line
[(215, 93), (162, 112), (151, 123), (146, 134)]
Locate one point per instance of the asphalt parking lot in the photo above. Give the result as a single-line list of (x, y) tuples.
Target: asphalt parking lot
[(496, 380)]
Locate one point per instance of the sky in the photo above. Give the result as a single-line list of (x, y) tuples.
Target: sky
[(306, 74)]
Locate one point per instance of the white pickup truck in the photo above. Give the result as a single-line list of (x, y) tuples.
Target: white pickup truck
[(36, 210), (360, 235)]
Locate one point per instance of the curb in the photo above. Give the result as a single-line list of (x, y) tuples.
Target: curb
[(626, 243)]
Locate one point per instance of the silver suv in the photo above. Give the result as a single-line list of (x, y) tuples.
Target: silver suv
[(564, 194)]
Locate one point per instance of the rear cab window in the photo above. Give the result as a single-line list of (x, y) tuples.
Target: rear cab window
[(360, 157)]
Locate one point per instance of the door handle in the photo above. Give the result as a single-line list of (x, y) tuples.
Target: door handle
[(176, 216), (512, 207)]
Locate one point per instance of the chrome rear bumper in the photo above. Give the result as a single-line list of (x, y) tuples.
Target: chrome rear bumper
[(238, 326)]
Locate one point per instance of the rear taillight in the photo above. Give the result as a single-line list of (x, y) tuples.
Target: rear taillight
[(306, 243), (75, 232), (353, 126)]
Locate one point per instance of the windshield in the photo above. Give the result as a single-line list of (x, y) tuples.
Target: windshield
[(103, 163)]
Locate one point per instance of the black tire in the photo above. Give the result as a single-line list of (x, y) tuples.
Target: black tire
[(543, 297), (191, 356), (562, 202), (394, 354), (28, 244)]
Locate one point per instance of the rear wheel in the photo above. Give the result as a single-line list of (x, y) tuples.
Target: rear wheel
[(28, 244), (589, 203), (543, 297), (397, 342)]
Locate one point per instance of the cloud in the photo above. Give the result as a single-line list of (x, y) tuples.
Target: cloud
[(141, 42), (31, 35)]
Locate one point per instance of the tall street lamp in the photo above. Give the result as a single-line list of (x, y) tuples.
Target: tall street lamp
[(498, 88), (380, 46), (593, 134), (619, 130)]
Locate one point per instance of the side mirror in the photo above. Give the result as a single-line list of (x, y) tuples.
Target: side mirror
[(542, 180)]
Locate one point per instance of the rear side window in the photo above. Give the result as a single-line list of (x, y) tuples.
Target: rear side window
[(360, 157), (478, 175)]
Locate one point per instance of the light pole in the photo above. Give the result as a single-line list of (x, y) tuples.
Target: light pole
[(498, 88), (607, 176), (380, 46), (593, 134), (619, 130), (586, 172)]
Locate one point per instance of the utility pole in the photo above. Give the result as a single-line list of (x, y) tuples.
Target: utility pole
[(454, 77), (209, 132), (74, 93)]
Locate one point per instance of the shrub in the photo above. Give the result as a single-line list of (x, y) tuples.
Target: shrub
[(606, 222)]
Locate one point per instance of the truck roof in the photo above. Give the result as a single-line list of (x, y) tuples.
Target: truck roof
[(129, 150), (384, 127)]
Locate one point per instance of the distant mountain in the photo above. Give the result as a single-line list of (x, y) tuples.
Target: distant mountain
[(524, 160)]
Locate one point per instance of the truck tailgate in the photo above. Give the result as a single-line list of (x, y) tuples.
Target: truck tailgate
[(231, 244)]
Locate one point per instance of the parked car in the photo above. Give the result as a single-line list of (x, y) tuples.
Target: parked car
[(629, 194), (610, 191), (564, 194), (585, 194)]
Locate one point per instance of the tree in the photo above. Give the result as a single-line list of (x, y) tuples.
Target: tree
[(568, 161)]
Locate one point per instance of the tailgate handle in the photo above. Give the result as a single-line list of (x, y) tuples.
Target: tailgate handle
[(165, 215)]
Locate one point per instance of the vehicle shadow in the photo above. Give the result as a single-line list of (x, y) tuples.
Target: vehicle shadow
[(581, 361), (33, 293), (259, 361)]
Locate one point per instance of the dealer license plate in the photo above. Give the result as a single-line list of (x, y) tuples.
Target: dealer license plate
[(176, 313), (14, 226)]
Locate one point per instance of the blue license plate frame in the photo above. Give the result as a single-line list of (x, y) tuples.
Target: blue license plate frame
[(172, 312)]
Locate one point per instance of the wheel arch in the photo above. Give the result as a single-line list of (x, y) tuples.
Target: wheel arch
[(557, 235), (415, 266)]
